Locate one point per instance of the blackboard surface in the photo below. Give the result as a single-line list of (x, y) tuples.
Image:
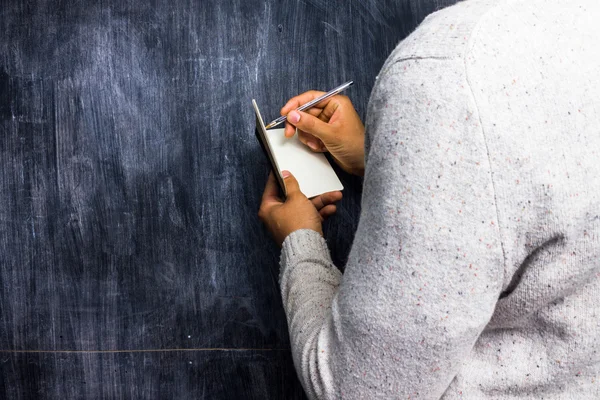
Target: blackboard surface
[(132, 261)]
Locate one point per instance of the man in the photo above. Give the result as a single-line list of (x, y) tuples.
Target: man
[(475, 269)]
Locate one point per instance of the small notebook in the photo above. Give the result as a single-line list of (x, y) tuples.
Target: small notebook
[(312, 170)]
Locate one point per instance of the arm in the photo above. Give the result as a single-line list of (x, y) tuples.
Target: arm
[(426, 266)]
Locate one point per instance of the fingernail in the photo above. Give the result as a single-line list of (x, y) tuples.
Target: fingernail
[(312, 145), (285, 173), (293, 117)]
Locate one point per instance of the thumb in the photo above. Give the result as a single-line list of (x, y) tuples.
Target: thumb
[(292, 187), (309, 124)]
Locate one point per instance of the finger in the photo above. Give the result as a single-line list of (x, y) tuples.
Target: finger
[(332, 197), (302, 99), (271, 193), (309, 140), (304, 137), (314, 111), (332, 107), (324, 109), (290, 130), (321, 148), (292, 187), (318, 202), (326, 199), (310, 124), (322, 116), (327, 211)]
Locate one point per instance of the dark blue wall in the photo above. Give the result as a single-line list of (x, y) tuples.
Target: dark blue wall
[(132, 262)]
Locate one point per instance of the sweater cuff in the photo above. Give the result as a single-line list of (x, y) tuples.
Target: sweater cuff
[(304, 245)]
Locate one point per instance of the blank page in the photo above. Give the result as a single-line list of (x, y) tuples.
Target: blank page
[(312, 170)]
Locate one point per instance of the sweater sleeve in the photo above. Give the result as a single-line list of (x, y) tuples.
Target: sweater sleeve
[(426, 266)]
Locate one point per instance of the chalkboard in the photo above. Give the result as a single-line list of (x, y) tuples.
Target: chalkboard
[(132, 261)]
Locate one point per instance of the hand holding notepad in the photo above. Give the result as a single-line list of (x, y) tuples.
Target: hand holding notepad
[(312, 170), (335, 124), (330, 124)]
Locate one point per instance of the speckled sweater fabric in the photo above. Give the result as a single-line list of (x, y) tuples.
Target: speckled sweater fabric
[(475, 270)]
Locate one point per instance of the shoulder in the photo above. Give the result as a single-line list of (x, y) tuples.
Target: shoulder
[(430, 61), (423, 82), (444, 34)]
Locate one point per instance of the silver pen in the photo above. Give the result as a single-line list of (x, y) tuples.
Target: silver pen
[(311, 103)]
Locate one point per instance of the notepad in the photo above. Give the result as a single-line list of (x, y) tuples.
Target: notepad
[(313, 172)]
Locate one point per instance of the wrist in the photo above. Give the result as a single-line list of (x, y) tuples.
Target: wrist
[(304, 242), (312, 230)]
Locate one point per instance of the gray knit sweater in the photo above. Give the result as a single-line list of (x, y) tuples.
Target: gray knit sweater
[(475, 270)]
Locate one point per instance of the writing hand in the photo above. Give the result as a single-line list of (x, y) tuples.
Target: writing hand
[(332, 125)]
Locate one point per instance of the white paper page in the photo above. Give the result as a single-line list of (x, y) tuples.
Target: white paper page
[(312, 170)]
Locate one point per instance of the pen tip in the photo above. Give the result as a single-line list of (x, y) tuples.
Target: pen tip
[(268, 126)]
